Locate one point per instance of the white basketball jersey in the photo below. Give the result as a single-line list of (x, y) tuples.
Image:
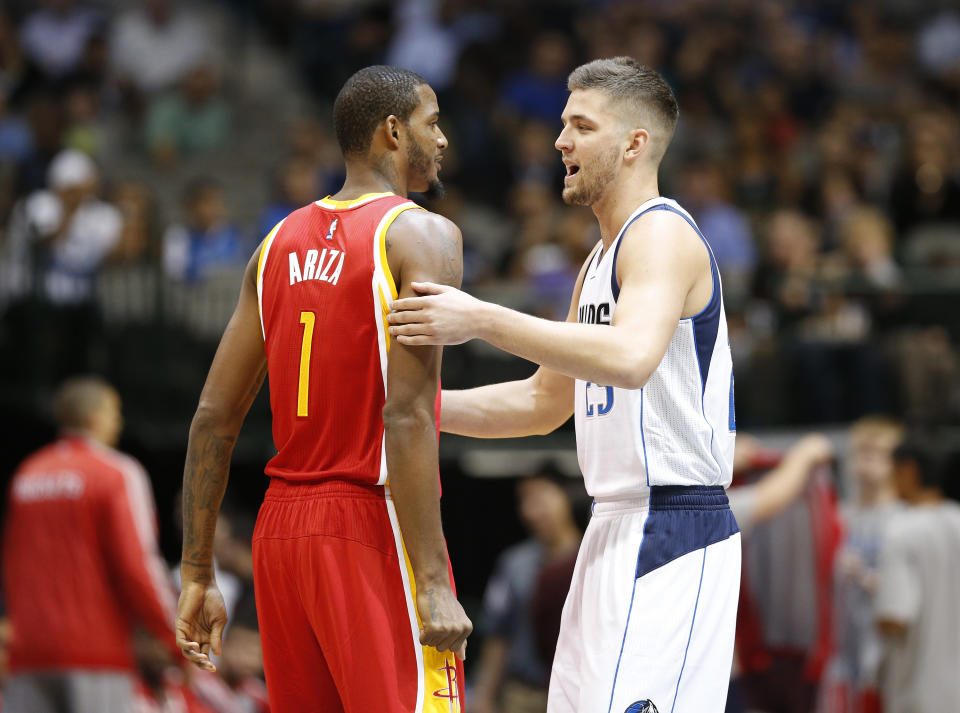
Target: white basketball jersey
[(679, 428)]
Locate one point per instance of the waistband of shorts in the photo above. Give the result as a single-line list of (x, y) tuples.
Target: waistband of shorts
[(281, 489), (667, 497)]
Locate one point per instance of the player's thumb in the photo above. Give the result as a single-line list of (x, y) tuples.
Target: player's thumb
[(461, 653)]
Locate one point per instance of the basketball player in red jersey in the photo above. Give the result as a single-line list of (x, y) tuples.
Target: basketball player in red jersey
[(354, 591)]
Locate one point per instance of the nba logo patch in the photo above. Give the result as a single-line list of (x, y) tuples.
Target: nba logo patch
[(645, 706)]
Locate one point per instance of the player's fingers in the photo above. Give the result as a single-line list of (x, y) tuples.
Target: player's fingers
[(405, 317), (408, 304), (415, 341), (429, 288), (409, 330), (461, 652), (216, 639)]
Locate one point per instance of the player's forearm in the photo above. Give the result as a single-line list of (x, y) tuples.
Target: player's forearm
[(509, 410), (411, 449), (205, 477), (607, 355)]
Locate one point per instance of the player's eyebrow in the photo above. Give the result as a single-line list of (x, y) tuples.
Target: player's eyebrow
[(434, 116), (577, 117)]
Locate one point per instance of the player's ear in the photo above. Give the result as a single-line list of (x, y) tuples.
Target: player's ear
[(639, 144), (391, 126)]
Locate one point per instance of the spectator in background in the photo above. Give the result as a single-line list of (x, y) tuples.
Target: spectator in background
[(918, 587), (852, 674), (154, 46), (62, 235), (80, 563), (139, 241), (55, 36), (540, 90), (297, 186), (511, 676), (206, 241), (192, 121), (867, 240), (726, 228)]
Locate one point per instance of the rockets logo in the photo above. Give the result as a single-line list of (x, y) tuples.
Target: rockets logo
[(452, 692)]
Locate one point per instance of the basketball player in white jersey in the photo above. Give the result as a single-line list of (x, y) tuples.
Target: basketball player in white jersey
[(644, 362)]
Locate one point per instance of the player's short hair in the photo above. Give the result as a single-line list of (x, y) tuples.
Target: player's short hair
[(369, 97), (874, 425), (77, 399), (642, 91)]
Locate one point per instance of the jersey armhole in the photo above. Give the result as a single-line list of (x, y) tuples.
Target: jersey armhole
[(261, 266)]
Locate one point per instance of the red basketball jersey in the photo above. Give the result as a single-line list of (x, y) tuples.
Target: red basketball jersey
[(324, 284)]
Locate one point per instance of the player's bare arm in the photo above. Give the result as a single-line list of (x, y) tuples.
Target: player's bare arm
[(235, 378), (422, 246), (533, 406), (664, 275)]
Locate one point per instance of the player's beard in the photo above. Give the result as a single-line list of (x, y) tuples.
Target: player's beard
[(593, 181), (421, 163)]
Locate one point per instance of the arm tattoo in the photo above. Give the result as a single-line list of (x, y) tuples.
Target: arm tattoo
[(204, 482), (451, 268), (434, 609)]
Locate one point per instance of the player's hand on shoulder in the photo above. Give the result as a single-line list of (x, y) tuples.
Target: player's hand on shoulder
[(439, 315), (444, 624), (201, 617)]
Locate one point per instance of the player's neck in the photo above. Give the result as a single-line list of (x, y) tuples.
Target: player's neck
[(365, 178), (624, 196)]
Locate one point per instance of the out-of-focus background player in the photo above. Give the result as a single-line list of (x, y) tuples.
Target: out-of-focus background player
[(81, 566)]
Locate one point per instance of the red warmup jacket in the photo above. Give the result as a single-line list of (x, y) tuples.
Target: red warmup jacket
[(81, 568)]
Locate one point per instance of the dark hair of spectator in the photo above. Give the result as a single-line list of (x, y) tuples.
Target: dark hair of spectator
[(197, 189), (369, 97), (625, 79), (77, 400), (923, 455)]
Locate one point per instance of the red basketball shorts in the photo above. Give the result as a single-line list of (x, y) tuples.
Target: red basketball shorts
[(336, 605)]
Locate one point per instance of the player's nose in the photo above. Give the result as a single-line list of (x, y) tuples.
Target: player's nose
[(441, 141), (563, 142)]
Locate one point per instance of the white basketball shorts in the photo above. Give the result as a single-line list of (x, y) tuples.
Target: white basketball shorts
[(649, 621)]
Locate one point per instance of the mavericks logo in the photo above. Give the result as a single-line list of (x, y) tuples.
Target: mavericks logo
[(645, 706)]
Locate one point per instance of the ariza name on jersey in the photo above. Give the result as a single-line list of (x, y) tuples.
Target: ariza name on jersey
[(594, 314), (325, 265)]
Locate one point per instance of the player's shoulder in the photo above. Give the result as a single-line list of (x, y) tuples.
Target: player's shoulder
[(422, 222), (665, 235)]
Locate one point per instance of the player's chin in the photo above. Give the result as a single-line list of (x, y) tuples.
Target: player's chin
[(434, 190), (571, 196)]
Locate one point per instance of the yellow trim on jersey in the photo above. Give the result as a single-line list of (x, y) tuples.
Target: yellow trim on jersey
[(440, 683), (382, 241), (329, 202)]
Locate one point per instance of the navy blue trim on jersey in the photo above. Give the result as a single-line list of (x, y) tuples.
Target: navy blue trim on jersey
[(706, 323), (683, 519)]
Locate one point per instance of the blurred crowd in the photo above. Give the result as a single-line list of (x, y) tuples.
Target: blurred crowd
[(815, 149)]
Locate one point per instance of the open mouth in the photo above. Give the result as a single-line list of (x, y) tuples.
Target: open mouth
[(572, 170)]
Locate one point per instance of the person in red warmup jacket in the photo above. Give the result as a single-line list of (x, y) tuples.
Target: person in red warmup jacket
[(81, 568)]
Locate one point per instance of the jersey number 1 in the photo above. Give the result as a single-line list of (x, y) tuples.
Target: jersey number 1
[(307, 319)]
